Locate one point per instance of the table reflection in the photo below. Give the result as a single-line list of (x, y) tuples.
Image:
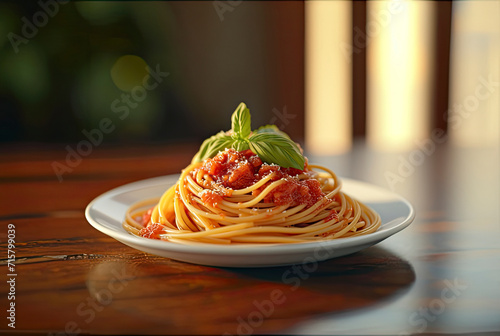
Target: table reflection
[(195, 299)]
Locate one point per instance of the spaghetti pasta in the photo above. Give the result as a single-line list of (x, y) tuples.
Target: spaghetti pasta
[(236, 198)]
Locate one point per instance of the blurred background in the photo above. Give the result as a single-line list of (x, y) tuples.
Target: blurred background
[(329, 73), (62, 72)]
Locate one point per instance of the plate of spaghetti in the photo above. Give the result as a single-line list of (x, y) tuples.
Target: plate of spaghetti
[(250, 199)]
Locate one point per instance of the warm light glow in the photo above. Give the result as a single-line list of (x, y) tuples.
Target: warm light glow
[(474, 113), (328, 76), (128, 72), (399, 72)]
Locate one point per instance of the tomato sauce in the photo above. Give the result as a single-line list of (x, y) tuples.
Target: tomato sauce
[(151, 231), (146, 217), (211, 197), (332, 215), (238, 170)]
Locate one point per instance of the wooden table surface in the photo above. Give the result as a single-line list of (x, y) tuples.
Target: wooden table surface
[(439, 276)]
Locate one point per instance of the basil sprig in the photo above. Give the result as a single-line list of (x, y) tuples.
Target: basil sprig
[(270, 143), (240, 122)]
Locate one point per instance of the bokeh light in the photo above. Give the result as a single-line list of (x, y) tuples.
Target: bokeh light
[(129, 71)]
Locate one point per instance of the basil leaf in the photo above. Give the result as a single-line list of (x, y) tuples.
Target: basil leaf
[(241, 122), (270, 143), (271, 129), (240, 145), (213, 145), (218, 145), (276, 148)]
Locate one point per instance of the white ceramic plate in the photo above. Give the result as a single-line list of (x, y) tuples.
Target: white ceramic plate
[(106, 214)]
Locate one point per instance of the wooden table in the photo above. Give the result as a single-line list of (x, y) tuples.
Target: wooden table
[(441, 275)]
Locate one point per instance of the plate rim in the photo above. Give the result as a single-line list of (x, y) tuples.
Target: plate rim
[(249, 250)]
